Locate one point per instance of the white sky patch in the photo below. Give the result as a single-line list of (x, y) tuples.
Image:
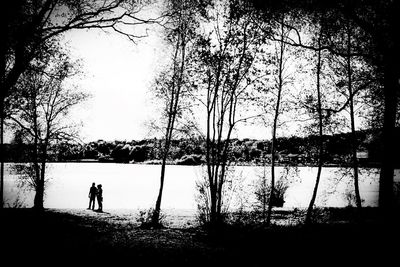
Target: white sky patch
[(118, 74)]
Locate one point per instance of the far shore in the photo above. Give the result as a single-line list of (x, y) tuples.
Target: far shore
[(240, 164)]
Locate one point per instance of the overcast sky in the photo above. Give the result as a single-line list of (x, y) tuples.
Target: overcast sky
[(118, 75)]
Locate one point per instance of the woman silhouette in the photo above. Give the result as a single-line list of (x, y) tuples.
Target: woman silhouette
[(100, 197)]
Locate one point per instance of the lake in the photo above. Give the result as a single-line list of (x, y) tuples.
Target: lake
[(135, 186)]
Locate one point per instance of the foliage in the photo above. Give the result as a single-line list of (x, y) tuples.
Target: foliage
[(144, 218), (234, 195), (42, 102), (350, 197), (262, 188), (300, 149)]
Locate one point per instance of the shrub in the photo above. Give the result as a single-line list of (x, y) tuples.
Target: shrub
[(262, 188), (139, 153), (145, 219)]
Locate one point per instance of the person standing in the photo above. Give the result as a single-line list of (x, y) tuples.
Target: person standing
[(100, 197), (92, 196)]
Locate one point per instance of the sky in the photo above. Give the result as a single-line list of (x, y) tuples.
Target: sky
[(118, 75)]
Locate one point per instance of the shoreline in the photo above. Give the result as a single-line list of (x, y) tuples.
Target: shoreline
[(369, 166)]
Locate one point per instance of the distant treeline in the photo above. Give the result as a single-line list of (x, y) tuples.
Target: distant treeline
[(290, 150)]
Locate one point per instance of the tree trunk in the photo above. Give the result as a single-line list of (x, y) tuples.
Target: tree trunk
[(39, 197), (157, 210), (212, 158), (277, 111), (168, 136), (1, 152), (391, 86), (271, 192), (173, 109), (39, 185), (391, 58), (354, 142), (264, 195), (308, 218), (354, 146), (2, 107)]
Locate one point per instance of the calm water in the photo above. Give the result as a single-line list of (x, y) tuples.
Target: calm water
[(135, 186)]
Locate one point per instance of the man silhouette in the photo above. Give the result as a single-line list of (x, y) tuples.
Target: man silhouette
[(92, 196)]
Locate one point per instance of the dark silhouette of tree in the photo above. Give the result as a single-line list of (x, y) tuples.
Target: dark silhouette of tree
[(281, 60), (378, 21), (227, 52), (40, 111), (320, 129), (172, 84)]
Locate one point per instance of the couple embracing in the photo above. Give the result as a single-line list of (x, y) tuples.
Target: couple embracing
[(93, 193)]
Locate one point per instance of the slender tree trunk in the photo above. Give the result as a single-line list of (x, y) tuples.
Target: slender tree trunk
[(272, 185), (173, 109), (211, 162), (36, 203), (354, 142), (275, 125), (168, 137), (157, 209), (211, 154), (39, 186), (224, 166), (354, 157), (210, 167), (223, 146), (1, 152), (308, 218), (264, 195), (2, 111)]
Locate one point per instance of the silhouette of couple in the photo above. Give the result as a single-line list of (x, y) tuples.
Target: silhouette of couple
[(93, 193)]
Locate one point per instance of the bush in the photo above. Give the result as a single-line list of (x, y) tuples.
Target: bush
[(145, 219), (139, 153), (263, 188), (262, 193)]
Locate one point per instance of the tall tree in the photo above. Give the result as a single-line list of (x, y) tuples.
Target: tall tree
[(354, 142), (172, 84), (280, 82), (227, 54), (378, 20), (42, 104), (320, 130)]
